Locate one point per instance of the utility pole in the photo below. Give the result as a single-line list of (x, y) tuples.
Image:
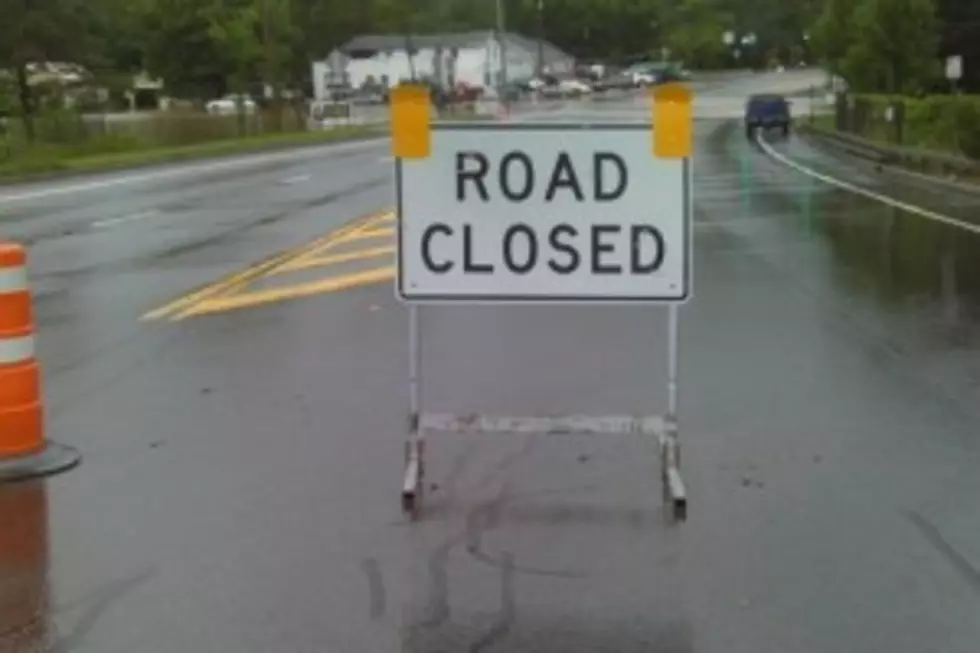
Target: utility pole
[(408, 23), (273, 12), (268, 47), (540, 38), (502, 48), (410, 51)]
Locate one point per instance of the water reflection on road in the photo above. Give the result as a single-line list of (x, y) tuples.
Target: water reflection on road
[(24, 602), (913, 282)]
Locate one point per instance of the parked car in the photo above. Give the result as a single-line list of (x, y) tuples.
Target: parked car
[(463, 92), (370, 94), (551, 91), (620, 80), (228, 105), (673, 74), (536, 83), (642, 74), (573, 87), (514, 90), (439, 95), (649, 74)]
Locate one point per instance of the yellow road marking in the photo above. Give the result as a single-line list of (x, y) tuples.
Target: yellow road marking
[(299, 262), (364, 234), (222, 286), (322, 261), (244, 300), (238, 279), (379, 218)]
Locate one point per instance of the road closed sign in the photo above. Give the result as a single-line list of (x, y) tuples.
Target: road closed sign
[(537, 212)]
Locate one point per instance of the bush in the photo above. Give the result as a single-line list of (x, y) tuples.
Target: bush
[(948, 123), (102, 144), (63, 136)]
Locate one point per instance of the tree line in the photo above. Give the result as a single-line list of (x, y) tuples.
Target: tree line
[(899, 46), (204, 48)]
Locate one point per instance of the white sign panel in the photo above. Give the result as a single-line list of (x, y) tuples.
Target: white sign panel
[(537, 212), (954, 67)]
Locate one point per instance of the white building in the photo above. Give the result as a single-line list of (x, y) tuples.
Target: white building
[(473, 58)]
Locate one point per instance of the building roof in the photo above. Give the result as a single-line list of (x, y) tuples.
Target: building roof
[(392, 42)]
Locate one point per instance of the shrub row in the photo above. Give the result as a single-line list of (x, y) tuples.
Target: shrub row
[(946, 123)]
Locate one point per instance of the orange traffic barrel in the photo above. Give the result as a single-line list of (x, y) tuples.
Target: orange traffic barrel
[(24, 452)]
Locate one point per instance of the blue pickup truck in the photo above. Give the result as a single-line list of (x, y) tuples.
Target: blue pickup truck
[(767, 112)]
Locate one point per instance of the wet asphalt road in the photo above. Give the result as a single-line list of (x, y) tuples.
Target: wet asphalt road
[(239, 489)]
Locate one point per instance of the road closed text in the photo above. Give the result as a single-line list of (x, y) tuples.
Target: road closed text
[(563, 248), (575, 242)]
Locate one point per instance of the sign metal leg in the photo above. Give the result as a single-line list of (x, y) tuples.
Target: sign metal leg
[(415, 444), (672, 360), (675, 494)]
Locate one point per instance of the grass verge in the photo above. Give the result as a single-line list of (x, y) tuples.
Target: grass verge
[(50, 161)]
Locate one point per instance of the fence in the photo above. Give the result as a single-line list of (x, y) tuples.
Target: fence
[(173, 128), (80, 134)]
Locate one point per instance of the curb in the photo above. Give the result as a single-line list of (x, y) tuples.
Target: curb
[(890, 159)]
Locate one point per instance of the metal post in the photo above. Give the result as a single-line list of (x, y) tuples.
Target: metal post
[(502, 48), (409, 50), (414, 352), (672, 358), (415, 445), (675, 494), (540, 38)]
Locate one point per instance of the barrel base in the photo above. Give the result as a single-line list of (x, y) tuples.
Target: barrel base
[(54, 458)]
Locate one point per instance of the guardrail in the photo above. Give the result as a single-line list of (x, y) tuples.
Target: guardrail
[(926, 161)]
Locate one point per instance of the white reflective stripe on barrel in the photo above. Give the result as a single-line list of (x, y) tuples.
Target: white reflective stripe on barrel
[(16, 350), (13, 279)]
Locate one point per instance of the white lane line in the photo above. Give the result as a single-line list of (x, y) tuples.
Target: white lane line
[(857, 190), (298, 179), (111, 222), (194, 169)]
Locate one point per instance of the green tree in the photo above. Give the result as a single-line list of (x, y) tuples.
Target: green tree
[(694, 32), (115, 34), (831, 35), (233, 29), (277, 34), (186, 43), (116, 38), (893, 47), (203, 48), (39, 31)]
